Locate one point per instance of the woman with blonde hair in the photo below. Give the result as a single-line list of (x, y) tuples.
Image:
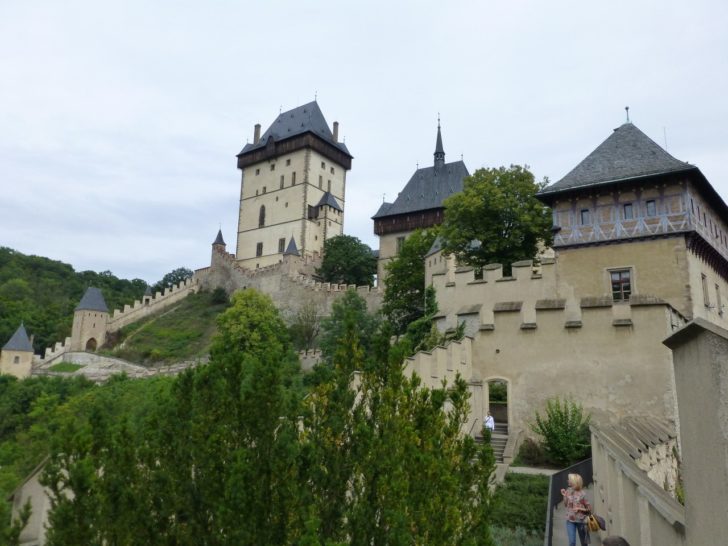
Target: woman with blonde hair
[(577, 508)]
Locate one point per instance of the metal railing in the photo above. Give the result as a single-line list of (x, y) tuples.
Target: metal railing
[(559, 481)]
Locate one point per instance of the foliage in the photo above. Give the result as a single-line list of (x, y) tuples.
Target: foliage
[(521, 502), (497, 392), (174, 277), (531, 453), (219, 296), (405, 297), (498, 209), (304, 328), (183, 332), (43, 293), (503, 536), (65, 367), (564, 428), (348, 261)]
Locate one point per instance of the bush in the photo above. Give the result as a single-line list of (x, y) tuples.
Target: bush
[(565, 431), (219, 296), (502, 536), (531, 453), (521, 502)]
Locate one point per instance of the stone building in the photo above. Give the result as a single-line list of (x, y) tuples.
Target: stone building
[(16, 357), (418, 205), (90, 319), (293, 187)]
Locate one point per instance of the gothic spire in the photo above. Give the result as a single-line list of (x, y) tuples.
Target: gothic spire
[(439, 150)]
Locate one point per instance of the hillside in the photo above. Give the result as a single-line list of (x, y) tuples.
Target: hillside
[(43, 293), (182, 332)]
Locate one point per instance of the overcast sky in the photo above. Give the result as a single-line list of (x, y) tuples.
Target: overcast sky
[(120, 121)]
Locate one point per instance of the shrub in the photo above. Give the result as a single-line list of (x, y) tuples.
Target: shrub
[(531, 453), (219, 296), (502, 536), (521, 502), (565, 431)]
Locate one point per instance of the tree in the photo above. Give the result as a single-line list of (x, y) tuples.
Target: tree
[(404, 294), (174, 277), (305, 326), (348, 261), (496, 218), (565, 431)]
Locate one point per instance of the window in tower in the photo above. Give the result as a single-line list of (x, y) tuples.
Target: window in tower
[(293, 178), (288, 162), (621, 280), (332, 170), (261, 216), (282, 180), (585, 217), (272, 166), (628, 211), (259, 249), (281, 245), (321, 181), (264, 189), (651, 208), (704, 282), (257, 172), (329, 186), (323, 165)]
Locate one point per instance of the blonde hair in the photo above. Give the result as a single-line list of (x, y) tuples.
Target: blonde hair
[(576, 482)]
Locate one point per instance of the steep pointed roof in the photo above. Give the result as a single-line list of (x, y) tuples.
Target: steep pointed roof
[(219, 240), (330, 200), (427, 189), (627, 154), (92, 300), (292, 249), (439, 150), (307, 118), (19, 341)]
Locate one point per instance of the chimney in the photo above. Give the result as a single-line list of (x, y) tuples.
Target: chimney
[(336, 131), (256, 134)]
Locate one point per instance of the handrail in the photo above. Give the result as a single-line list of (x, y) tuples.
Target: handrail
[(559, 481)]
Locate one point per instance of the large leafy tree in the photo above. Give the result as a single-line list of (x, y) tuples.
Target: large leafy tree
[(348, 261), (404, 294), (496, 218), (174, 277)]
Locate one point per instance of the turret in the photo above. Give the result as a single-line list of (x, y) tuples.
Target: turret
[(90, 319), (16, 357)]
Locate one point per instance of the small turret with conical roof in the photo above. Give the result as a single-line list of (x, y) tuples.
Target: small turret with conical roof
[(90, 319), (16, 357)]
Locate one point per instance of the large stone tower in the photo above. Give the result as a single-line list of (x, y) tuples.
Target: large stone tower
[(293, 187), (90, 319)]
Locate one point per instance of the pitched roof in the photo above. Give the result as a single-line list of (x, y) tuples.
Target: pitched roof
[(627, 154), (219, 240), (382, 211), (427, 189), (92, 300), (436, 246), (292, 248), (330, 200), (307, 118), (19, 341)]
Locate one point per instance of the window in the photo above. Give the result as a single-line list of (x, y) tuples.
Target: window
[(288, 162), (281, 245), (321, 181), (272, 166), (261, 217), (16, 360), (621, 284), (706, 296), (585, 217), (650, 207), (718, 302), (323, 165), (264, 189), (332, 170), (692, 205), (329, 186), (400, 242), (259, 249), (282, 180), (293, 178), (257, 172), (628, 211)]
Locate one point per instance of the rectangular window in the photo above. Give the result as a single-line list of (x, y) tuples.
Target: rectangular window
[(585, 217), (400, 242), (323, 165), (329, 187), (281, 245), (288, 162), (257, 172), (628, 212), (718, 301), (282, 180), (321, 181), (332, 170), (259, 249), (651, 209), (293, 178), (706, 296), (621, 284), (272, 166), (264, 188), (692, 205)]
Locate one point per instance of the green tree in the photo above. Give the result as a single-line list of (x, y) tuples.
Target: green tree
[(404, 295), (564, 428), (174, 277), (496, 218), (348, 261), (305, 326)]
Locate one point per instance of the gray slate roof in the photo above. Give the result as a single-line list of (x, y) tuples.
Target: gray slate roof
[(330, 200), (304, 119), (427, 189), (19, 341), (219, 240), (628, 153), (92, 300), (292, 248), (436, 246)]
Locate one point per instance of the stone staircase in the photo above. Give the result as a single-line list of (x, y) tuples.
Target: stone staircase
[(498, 441)]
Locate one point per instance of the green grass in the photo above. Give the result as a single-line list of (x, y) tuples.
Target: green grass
[(520, 502), (65, 367), (183, 332)]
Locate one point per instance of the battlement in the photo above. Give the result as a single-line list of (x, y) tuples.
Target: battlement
[(52, 354)]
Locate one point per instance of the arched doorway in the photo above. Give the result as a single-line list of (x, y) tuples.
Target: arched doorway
[(498, 403), (91, 344)]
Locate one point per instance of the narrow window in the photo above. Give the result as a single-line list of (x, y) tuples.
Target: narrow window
[(718, 301), (706, 296), (400, 242), (264, 189), (705, 222), (272, 166), (628, 212), (329, 186), (692, 205), (261, 216), (332, 170), (651, 209), (281, 245), (288, 162), (293, 178), (259, 249), (321, 181), (282, 180), (257, 172), (585, 217), (16, 360), (621, 284), (323, 165)]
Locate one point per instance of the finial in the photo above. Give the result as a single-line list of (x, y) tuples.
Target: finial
[(461, 157), (315, 95), (280, 109), (418, 165), (438, 120), (384, 197), (626, 109)]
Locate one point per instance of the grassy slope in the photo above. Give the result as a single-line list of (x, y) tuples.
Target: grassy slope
[(181, 333)]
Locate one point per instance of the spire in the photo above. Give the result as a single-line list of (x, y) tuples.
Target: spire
[(19, 341), (292, 248), (439, 150), (219, 240), (92, 300)]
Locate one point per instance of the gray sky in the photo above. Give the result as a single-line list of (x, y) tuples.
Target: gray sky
[(120, 121)]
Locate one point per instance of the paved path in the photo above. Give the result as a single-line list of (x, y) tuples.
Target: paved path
[(560, 538)]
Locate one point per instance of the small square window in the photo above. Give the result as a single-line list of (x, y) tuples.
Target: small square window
[(272, 166), (16, 360), (621, 280), (585, 217), (281, 245), (651, 208), (288, 162), (332, 170), (628, 211), (257, 172), (259, 249)]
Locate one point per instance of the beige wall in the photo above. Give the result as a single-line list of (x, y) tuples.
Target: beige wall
[(88, 325), (34, 532), (286, 209), (387, 251), (17, 363)]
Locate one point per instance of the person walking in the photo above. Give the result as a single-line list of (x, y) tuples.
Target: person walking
[(489, 422), (577, 508)]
